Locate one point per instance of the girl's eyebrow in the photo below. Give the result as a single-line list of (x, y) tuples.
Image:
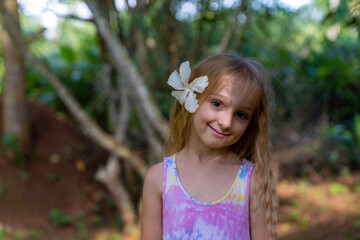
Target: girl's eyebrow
[(245, 107), (249, 109), (217, 95)]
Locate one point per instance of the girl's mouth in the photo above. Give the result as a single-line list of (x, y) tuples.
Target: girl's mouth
[(217, 133)]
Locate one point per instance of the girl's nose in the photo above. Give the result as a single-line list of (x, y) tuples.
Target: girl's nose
[(225, 120)]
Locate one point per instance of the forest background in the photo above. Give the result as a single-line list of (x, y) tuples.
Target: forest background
[(84, 109)]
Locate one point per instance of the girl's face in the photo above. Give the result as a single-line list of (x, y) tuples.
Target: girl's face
[(223, 117)]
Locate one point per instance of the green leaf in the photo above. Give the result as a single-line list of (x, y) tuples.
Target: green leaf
[(58, 218), (357, 224), (357, 127)]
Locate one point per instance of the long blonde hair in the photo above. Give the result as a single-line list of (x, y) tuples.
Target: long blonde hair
[(254, 145)]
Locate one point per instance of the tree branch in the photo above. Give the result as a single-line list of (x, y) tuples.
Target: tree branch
[(91, 128), (153, 143), (35, 36), (123, 65), (97, 134), (109, 176), (70, 16), (230, 30)]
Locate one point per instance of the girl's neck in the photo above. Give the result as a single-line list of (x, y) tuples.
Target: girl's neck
[(206, 155)]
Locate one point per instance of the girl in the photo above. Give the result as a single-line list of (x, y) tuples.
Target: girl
[(218, 181)]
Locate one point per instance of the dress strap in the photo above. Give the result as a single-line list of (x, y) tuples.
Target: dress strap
[(168, 165)]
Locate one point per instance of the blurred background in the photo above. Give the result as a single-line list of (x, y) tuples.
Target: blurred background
[(85, 104)]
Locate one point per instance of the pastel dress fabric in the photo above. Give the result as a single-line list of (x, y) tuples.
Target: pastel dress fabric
[(186, 218)]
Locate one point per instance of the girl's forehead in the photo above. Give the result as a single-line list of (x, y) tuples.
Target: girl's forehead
[(238, 91)]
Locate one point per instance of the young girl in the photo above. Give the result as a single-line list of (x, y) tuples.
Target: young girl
[(218, 180)]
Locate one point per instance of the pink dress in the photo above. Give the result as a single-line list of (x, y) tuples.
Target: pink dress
[(186, 218)]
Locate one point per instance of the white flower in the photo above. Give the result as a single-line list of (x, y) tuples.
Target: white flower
[(186, 91)]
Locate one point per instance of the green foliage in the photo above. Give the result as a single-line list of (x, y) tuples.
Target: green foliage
[(2, 72), (3, 187), (305, 221), (35, 234), (10, 143), (337, 188), (347, 234), (59, 219), (97, 221), (75, 58), (345, 172), (118, 223), (289, 202), (81, 225), (3, 234), (357, 187), (357, 127), (299, 237), (302, 185), (19, 235), (294, 216), (357, 224), (115, 236), (340, 137), (339, 133)]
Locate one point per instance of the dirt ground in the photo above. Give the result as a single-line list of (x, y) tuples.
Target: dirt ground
[(54, 197), (326, 210)]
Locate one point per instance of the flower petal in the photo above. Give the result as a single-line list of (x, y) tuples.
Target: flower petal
[(199, 84), (191, 104), (185, 72), (179, 95), (175, 81)]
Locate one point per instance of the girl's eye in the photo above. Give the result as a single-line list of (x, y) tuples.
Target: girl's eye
[(216, 103), (241, 115)]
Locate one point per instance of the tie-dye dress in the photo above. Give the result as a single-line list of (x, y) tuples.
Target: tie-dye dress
[(186, 218)]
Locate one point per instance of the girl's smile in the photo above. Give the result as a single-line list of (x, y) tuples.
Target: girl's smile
[(218, 133)]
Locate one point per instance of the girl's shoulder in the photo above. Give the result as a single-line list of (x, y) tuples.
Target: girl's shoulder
[(154, 177)]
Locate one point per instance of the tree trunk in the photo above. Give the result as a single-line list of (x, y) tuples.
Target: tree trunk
[(15, 112)]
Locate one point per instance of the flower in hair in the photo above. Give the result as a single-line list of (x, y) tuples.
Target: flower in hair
[(185, 91)]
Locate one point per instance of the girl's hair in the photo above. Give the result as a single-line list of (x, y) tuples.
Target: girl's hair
[(254, 145)]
